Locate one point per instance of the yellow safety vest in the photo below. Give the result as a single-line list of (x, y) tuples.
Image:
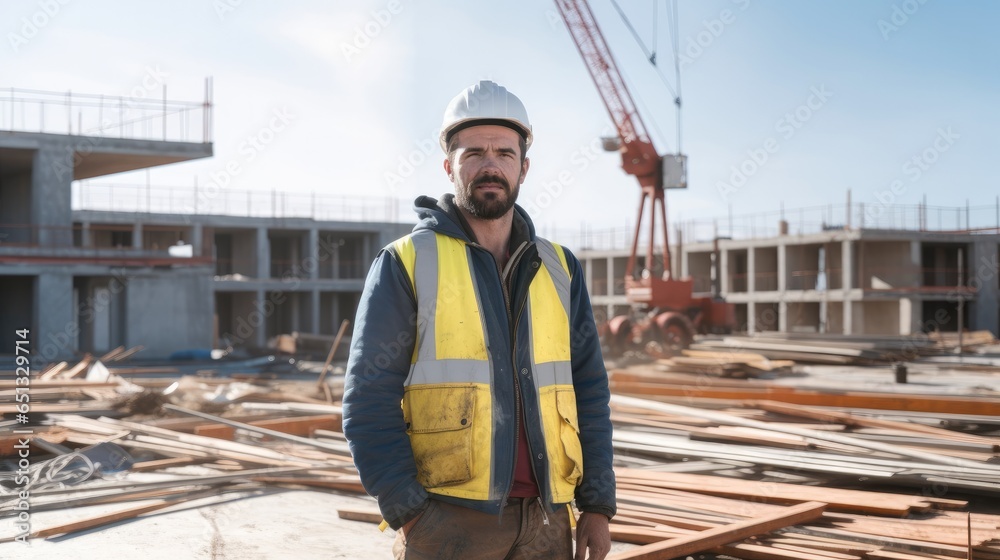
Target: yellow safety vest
[(447, 401)]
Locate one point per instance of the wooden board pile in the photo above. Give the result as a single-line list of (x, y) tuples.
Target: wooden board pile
[(739, 467), (758, 457), (843, 349)]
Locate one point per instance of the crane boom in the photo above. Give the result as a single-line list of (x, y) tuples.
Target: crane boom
[(639, 157), (671, 313)]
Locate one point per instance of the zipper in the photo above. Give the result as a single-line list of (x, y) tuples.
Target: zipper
[(505, 276), (545, 515)]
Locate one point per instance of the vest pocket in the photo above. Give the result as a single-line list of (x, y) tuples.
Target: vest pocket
[(571, 465), (439, 422)]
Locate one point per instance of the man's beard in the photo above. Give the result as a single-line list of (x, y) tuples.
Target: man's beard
[(489, 205)]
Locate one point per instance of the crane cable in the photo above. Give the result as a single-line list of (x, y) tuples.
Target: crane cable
[(672, 23)]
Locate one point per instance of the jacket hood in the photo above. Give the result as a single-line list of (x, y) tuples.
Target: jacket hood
[(443, 216)]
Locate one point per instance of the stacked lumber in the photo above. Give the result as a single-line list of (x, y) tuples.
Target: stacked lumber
[(725, 364), (278, 453), (664, 510), (825, 348), (728, 452)]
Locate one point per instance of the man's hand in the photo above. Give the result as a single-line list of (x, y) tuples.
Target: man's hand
[(592, 534)]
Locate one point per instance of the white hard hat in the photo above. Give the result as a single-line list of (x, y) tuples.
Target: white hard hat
[(485, 103)]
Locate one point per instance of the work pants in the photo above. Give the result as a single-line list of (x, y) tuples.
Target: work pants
[(449, 532)]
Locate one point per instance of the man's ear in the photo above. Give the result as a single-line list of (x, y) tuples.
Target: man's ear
[(447, 168), (524, 169)]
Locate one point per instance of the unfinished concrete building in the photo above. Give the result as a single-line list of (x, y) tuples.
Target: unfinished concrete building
[(845, 280), (168, 277)]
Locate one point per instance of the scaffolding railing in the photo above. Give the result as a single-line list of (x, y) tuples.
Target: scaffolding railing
[(137, 116), (211, 200)]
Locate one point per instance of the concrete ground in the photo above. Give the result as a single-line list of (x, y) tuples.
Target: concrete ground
[(300, 525), (292, 524)]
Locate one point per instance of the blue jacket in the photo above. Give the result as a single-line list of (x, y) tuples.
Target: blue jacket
[(381, 350)]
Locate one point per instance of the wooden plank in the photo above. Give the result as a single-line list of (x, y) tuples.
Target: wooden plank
[(105, 519), (348, 484), (157, 464), (53, 370), (80, 367), (255, 429), (778, 492), (110, 355), (760, 552), (858, 421), (849, 399), (728, 419), (719, 536), (366, 515), (299, 426)]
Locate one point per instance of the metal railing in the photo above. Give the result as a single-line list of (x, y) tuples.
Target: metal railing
[(82, 114), (195, 200), (799, 221)]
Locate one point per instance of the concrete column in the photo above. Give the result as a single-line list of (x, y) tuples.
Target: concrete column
[(312, 263), (751, 316), (51, 179), (294, 304), (85, 239), (263, 255), (984, 310), (751, 272), (197, 240), (723, 271), (137, 236), (611, 282), (847, 282), (588, 274), (782, 314), (335, 313), (847, 265), (910, 315), (782, 271), (260, 333), (314, 311), (57, 330), (366, 253)]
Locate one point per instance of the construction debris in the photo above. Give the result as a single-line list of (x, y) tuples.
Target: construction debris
[(750, 451)]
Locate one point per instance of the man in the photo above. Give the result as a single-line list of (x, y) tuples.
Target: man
[(476, 398)]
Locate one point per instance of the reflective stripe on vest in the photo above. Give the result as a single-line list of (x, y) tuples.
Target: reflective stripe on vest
[(447, 402)]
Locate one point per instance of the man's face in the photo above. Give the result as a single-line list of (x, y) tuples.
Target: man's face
[(486, 168)]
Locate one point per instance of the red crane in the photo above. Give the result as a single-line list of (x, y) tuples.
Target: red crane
[(670, 314)]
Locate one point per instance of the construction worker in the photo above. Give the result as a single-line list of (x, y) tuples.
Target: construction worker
[(484, 333)]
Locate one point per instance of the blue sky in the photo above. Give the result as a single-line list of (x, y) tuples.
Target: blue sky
[(837, 95)]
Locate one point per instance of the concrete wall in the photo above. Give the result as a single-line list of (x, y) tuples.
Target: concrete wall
[(15, 206), (888, 264), (835, 317), (803, 316), (166, 312), (16, 295), (52, 175), (985, 277), (699, 268), (877, 317), (765, 260), (55, 316), (801, 266)]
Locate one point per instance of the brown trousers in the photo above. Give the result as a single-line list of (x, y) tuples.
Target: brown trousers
[(449, 532)]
